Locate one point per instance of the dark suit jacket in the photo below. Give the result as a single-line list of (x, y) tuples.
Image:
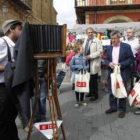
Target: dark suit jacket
[(125, 59)]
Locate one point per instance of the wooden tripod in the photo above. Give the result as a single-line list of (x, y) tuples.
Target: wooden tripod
[(55, 111)]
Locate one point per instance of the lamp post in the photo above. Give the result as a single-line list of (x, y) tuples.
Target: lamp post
[(4, 8)]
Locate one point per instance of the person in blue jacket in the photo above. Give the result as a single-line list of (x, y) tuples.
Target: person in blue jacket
[(77, 64)]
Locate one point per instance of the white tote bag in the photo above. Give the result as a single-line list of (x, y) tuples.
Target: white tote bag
[(117, 85), (134, 96), (82, 82)]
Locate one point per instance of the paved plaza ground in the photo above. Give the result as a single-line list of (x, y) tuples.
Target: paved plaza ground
[(90, 123)]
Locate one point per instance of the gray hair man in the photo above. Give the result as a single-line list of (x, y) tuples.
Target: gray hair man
[(133, 42), (93, 51), (118, 53)]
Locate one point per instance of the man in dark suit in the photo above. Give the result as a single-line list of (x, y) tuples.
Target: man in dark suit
[(118, 54)]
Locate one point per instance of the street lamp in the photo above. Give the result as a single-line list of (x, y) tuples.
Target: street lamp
[(4, 8)]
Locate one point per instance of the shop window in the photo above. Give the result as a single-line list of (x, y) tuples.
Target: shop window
[(118, 1)]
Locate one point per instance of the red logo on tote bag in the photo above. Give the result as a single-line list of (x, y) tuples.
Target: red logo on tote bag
[(81, 84), (132, 92)]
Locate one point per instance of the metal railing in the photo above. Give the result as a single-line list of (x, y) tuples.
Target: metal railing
[(27, 2), (104, 2)]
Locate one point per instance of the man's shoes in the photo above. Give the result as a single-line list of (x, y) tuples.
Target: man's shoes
[(58, 91), (88, 95), (84, 103), (93, 98), (36, 121), (26, 129), (121, 115), (76, 105), (110, 110), (137, 112)]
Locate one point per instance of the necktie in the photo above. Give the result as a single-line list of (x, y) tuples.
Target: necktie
[(87, 47)]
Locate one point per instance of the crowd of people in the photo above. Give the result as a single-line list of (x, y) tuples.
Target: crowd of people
[(88, 56), (124, 52)]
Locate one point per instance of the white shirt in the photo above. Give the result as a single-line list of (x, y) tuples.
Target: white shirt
[(133, 43), (3, 54)]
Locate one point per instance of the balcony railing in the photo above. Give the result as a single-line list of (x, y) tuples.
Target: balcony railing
[(104, 2), (27, 2)]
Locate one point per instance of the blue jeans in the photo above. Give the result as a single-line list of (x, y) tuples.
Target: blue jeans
[(113, 100), (41, 107)]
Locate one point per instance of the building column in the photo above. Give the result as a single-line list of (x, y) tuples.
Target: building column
[(107, 2), (129, 1), (87, 18)]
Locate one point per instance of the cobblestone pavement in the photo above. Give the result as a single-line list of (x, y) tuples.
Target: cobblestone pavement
[(90, 123)]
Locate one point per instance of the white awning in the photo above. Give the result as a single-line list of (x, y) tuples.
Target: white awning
[(79, 28)]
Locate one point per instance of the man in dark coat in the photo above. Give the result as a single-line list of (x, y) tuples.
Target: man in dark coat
[(8, 112), (118, 54)]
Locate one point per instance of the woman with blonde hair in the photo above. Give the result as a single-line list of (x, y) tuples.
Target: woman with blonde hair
[(74, 50)]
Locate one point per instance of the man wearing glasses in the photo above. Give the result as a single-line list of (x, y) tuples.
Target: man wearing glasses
[(93, 51)]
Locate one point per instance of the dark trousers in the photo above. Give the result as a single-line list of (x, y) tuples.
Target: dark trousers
[(93, 83), (133, 69), (41, 107), (113, 100), (77, 94), (8, 114), (81, 96)]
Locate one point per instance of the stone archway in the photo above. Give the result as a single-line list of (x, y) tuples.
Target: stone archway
[(117, 19)]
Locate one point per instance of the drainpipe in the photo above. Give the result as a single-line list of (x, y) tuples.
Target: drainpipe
[(51, 8), (41, 9), (95, 17), (95, 14)]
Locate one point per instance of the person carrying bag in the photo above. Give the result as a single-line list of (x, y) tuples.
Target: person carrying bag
[(118, 54), (80, 79)]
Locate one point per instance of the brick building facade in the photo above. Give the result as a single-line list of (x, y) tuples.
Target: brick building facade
[(107, 11), (33, 11)]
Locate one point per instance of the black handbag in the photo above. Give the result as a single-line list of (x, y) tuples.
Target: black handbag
[(9, 70), (60, 78)]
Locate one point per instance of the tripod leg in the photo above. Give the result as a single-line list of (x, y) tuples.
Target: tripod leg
[(35, 104), (56, 134), (56, 100), (51, 111)]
